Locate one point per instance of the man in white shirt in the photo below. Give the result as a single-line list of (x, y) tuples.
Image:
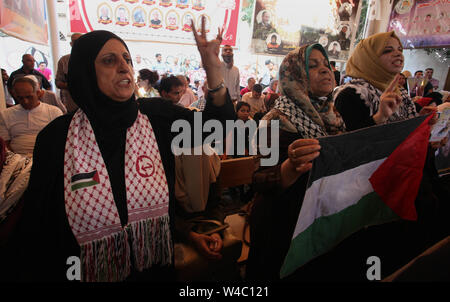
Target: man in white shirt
[(267, 76), (48, 96), (20, 124), (138, 64), (230, 74), (255, 99), (188, 97), (159, 65), (61, 78)]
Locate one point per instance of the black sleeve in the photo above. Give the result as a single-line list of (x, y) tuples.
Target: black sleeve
[(355, 113), (44, 239), (45, 83), (170, 112)]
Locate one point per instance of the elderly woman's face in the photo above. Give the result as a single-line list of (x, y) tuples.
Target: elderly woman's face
[(321, 78), (391, 58), (114, 71), (275, 85)]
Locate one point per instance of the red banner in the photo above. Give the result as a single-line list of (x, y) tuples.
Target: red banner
[(24, 20)]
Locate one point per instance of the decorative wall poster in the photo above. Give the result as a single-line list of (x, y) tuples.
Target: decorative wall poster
[(159, 20), (25, 20), (421, 23), (278, 27)]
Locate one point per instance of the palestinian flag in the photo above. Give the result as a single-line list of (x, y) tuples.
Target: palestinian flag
[(362, 178), (83, 180)]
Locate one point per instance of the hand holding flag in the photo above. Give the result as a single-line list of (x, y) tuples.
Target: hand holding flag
[(301, 153), (362, 178)]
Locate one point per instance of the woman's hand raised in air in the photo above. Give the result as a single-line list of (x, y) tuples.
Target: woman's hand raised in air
[(209, 53), (390, 101)]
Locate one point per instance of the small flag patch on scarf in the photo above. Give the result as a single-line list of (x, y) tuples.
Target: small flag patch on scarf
[(83, 180), (362, 178)]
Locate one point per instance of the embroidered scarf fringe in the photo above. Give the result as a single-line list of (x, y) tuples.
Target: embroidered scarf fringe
[(151, 242), (109, 260), (106, 259)]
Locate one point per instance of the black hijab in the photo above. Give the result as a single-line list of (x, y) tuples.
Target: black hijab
[(102, 111), (109, 119)]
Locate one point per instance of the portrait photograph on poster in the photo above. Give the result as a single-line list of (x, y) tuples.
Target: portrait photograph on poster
[(277, 30)]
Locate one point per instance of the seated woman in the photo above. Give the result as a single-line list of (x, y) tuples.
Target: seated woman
[(198, 208), (371, 98), (145, 81), (102, 182), (305, 111), (272, 88)]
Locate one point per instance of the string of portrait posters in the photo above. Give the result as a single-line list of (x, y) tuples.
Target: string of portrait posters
[(156, 20), (421, 23), (280, 26)]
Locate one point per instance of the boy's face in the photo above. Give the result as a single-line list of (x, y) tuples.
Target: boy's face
[(174, 94), (243, 113)]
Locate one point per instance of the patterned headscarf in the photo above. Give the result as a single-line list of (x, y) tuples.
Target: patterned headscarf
[(370, 79), (311, 116)]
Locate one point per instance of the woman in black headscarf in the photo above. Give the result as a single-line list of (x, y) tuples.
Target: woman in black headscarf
[(102, 183)]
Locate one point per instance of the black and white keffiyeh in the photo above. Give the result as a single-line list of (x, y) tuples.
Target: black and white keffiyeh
[(371, 97), (310, 116)]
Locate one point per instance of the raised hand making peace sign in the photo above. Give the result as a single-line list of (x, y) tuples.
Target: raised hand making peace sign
[(209, 53)]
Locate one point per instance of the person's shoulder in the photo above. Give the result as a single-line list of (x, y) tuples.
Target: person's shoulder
[(64, 58), (54, 109), (56, 129), (49, 94), (15, 72), (343, 92), (11, 111), (37, 72), (52, 138), (247, 95)]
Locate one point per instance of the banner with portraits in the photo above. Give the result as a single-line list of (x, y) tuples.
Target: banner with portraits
[(421, 23), (280, 26), (25, 20), (156, 20)]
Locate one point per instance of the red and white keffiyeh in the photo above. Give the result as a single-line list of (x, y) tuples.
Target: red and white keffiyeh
[(92, 213)]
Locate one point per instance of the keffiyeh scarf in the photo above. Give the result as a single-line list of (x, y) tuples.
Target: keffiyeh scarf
[(371, 97), (311, 116), (106, 246)]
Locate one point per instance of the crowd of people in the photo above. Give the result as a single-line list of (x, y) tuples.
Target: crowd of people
[(106, 187)]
